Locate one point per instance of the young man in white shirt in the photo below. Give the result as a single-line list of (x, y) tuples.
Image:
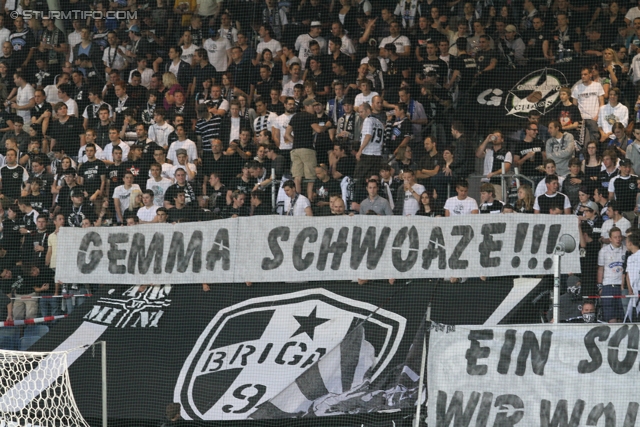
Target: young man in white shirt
[(611, 276), (302, 42), (114, 137), (158, 184), (182, 142), (160, 130), (611, 113), (461, 204), (295, 204), (366, 95), (411, 192), (588, 96), (122, 194), (219, 51), (147, 213), (21, 97)]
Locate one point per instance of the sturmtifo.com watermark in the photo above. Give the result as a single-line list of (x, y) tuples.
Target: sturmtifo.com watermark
[(76, 14)]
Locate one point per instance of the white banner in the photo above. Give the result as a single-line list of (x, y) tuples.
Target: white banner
[(293, 249), (533, 375)]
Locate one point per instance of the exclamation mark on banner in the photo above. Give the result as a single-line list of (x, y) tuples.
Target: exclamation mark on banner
[(538, 231), (552, 239), (521, 236)]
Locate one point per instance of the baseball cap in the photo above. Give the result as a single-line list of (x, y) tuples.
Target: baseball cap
[(77, 192), (510, 28), (592, 206), (181, 151), (307, 102), (626, 162), (316, 24), (134, 28)]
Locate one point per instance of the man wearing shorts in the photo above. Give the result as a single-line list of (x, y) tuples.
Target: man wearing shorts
[(300, 132)]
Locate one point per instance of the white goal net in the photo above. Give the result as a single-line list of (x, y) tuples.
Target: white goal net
[(35, 390)]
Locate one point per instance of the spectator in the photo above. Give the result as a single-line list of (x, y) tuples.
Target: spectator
[(181, 211), (612, 113), (496, 158), (369, 155), (560, 147), (589, 97), (616, 219), (552, 200), (461, 204), (260, 203), (610, 276), (574, 181), (608, 170), (295, 204), (147, 213), (633, 150), (623, 188), (122, 196), (374, 202), (408, 198), (489, 204)]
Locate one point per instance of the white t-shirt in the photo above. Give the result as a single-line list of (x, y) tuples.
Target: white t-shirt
[(160, 134), (281, 124), (401, 43), (361, 99), (72, 107), (302, 46), (187, 53), (287, 89), (299, 208), (623, 224), (147, 214), (112, 58), (588, 99), (273, 45), (24, 95), (411, 205), (123, 195), (456, 206), (612, 259), (372, 126), (610, 115), (217, 52), (159, 188), (189, 145)]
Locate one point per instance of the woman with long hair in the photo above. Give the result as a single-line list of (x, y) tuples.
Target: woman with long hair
[(525, 201), (245, 111), (204, 94), (428, 206), (610, 19), (591, 165), (612, 67)]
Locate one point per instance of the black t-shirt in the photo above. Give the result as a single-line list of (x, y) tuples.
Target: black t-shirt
[(324, 190), (568, 115), (186, 214), (67, 134), (228, 211), (533, 41), (523, 148), (493, 207), (75, 215), (626, 190), (302, 130), (484, 57), (398, 130), (12, 179), (346, 165), (437, 65), (190, 193), (546, 202), (393, 76), (41, 203), (36, 112), (115, 175), (468, 68), (92, 173), (139, 170), (238, 184)]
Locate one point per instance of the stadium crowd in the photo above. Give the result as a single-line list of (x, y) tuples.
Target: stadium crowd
[(203, 109)]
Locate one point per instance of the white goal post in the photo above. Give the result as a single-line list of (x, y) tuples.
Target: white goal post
[(35, 389)]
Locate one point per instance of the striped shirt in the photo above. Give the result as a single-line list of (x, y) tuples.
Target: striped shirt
[(208, 130), (264, 122)]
